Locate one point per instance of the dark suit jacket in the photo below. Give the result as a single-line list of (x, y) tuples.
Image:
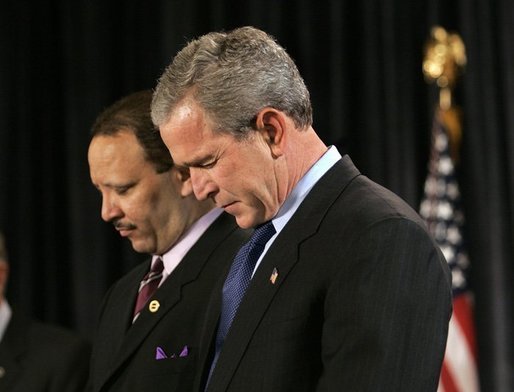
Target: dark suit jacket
[(361, 302), (124, 355), (37, 357)]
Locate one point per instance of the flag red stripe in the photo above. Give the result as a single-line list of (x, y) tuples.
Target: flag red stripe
[(462, 313), (447, 379)]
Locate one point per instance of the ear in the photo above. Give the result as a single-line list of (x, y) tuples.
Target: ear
[(184, 181), (273, 126)]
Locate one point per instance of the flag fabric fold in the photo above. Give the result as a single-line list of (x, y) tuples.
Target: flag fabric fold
[(441, 209)]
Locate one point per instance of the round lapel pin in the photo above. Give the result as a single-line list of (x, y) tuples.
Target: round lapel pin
[(154, 306)]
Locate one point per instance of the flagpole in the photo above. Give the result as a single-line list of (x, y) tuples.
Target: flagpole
[(445, 58)]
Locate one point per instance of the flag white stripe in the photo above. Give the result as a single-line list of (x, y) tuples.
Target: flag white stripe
[(459, 359)]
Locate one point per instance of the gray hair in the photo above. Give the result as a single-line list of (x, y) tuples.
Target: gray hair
[(232, 76)]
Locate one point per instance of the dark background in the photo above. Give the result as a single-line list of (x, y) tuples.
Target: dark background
[(62, 62)]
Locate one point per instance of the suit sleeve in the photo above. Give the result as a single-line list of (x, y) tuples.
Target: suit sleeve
[(387, 312)]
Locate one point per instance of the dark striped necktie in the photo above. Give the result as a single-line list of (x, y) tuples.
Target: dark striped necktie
[(148, 286)]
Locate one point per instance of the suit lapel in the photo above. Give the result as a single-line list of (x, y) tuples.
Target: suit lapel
[(209, 331), (116, 321), (170, 292), (282, 255)]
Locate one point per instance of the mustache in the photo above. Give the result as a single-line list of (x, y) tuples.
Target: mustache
[(119, 225)]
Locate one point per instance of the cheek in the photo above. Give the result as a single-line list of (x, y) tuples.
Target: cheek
[(157, 207), (264, 190), (162, 206), (252, 191), (137, 208), (249, 177)]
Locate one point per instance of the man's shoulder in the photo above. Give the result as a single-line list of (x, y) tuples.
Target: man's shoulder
[(53, 332), (344, 197), (40, 353), (45, 336), (368, 199)]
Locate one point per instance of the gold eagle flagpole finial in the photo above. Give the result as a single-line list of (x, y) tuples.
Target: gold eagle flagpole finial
[(444, 60)]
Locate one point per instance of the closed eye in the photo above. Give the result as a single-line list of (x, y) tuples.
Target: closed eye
[(207, 165), (123, 189), (206, 162)]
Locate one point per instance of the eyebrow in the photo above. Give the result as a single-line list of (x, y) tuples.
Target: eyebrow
[(112, 185), (198, 161)]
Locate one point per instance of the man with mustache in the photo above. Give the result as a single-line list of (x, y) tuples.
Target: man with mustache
[(151, 343)]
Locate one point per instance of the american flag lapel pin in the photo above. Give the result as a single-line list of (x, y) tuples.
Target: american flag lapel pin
[(274, 275)]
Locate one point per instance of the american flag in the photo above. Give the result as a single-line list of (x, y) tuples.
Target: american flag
[(441, 209)]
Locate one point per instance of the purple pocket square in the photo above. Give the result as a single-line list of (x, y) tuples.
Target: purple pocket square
[(184, 352), (160, 354)]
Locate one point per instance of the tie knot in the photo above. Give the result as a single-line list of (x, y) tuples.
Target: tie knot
[(263, 233), (157, 266)]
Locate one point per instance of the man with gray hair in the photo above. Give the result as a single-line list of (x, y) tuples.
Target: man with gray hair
[(37, 357), (341, 287)]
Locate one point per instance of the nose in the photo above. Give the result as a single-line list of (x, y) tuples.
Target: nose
[(110, 209), (203, 185)]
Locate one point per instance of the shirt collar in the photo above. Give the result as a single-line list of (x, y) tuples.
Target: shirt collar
[(177, 252), (303, 187)]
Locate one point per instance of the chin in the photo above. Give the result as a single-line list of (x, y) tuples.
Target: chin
[(141, 250), (142, 247), (246, 222)]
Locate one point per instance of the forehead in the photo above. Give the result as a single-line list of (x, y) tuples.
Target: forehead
[(117, 146), (116, 155), (189, 134)]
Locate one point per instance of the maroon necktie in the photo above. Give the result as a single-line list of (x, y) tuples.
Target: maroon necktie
[(148, 286)]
